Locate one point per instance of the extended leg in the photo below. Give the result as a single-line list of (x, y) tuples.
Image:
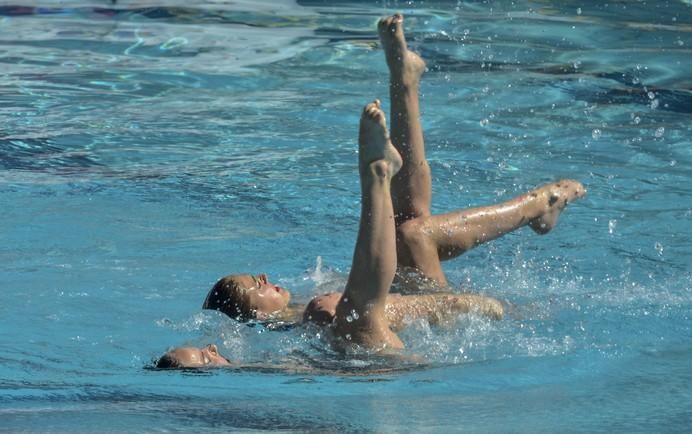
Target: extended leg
[(423, 240), (360, 315), (412, 186), (427, 240)]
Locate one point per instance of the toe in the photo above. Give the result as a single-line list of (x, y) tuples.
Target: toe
[(390, 23)]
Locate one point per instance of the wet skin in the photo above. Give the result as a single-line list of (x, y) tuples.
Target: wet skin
[(193, 357), (260, 296)]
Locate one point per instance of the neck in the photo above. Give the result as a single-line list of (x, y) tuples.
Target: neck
[(292, 313)]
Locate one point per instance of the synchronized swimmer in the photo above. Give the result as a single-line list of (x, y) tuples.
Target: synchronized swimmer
[(397, 232)]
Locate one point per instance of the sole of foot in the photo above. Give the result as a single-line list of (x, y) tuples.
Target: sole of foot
[(374, 144), (404, 65)]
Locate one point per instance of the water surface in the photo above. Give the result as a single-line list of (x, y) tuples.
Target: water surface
[(149, 148)]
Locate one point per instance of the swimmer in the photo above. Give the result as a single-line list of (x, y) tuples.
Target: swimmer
[(397, 229), (247, 297), (365, 314), (423, 240), (209, 358)]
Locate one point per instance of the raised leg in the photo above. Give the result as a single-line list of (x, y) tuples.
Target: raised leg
[(427, 240), (423, 240), (412, 186), (360, 316)]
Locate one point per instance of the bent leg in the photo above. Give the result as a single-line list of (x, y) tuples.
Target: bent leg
[(427, 240), (412, 186), (360, 315)]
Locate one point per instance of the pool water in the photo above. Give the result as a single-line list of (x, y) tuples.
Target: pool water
[(148, 148)]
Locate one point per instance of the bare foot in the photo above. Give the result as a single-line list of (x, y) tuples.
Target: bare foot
[(405, 66), (555, 198), (373, 140)]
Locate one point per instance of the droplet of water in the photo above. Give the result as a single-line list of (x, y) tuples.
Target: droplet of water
[(484, 122), (659, 248), (578, 11), (348, 336), (596, 134), (354, 314), (349, 318), (611, 225), (659, 132)]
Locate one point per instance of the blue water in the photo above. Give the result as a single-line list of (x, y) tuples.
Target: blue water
[(149, 148)]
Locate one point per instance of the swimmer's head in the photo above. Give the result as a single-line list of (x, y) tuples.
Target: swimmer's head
[(322, 309), (244, 297), (192, 357)]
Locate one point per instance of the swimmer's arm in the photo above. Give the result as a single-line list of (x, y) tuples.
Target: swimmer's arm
[(437, 308)]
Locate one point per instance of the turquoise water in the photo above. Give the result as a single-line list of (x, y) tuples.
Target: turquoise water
[(148, 148)]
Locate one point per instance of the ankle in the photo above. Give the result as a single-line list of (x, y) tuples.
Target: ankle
[(400, 83), (533, 205)]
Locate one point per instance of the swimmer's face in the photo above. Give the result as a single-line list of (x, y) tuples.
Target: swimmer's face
[(193, 357), (244, 296), (262, 296)]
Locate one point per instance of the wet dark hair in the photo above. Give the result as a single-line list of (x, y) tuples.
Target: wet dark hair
[(227, 296), (168, 362)]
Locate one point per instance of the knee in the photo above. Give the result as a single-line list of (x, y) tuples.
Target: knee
[(414, 237), (411, 233)]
